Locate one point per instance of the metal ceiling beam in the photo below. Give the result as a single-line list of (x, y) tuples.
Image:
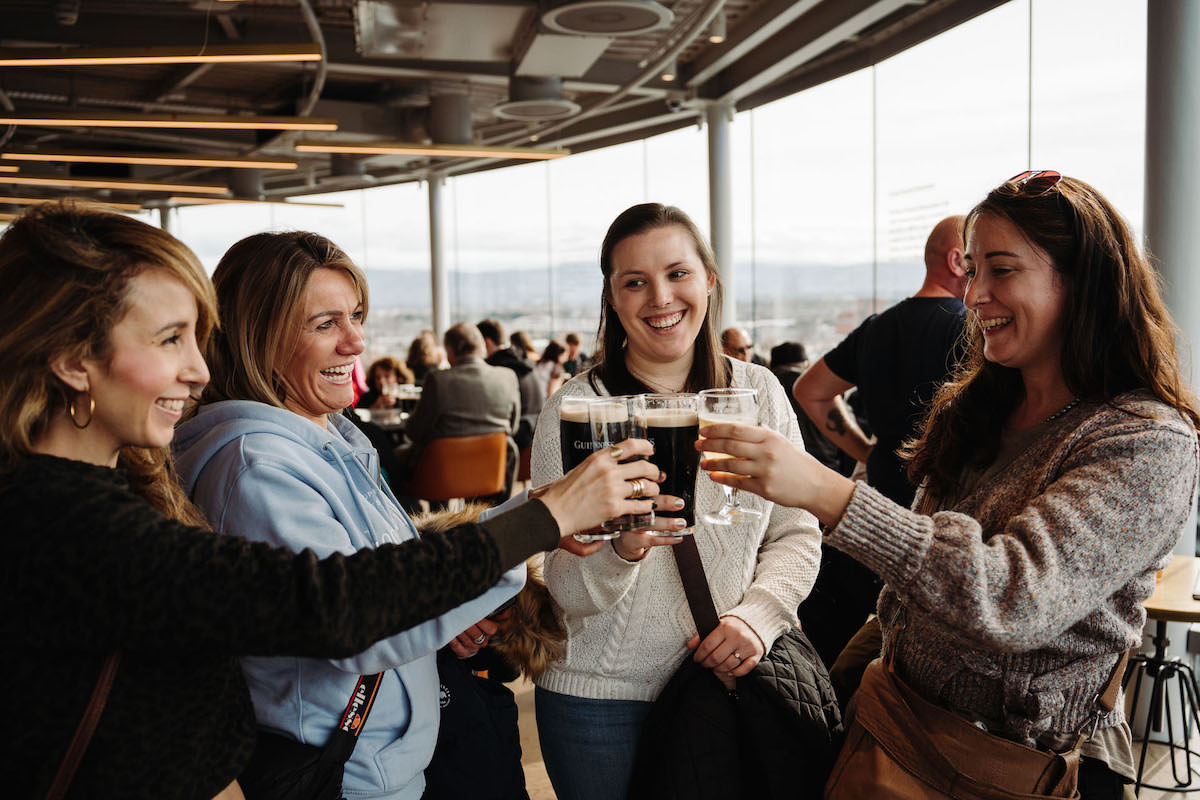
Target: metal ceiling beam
[(820, 30), (937, 17), (755, 28), (494, 77), (179, 80)]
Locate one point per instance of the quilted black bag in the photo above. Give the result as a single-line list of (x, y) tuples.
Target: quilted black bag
[(775, 735)]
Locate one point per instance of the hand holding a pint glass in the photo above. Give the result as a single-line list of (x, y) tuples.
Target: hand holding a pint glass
[(602, 488)]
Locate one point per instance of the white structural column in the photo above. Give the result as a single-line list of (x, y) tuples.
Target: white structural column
[(440, 295), (1172, 237), (1173, 172), (166, 219), (720, 204)]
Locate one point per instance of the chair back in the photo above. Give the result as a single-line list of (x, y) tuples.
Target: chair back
[(460, 466)]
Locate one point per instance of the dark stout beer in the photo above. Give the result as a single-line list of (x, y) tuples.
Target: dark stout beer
[(575, 435), (673, 431)]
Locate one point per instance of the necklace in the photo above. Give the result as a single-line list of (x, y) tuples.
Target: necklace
[(653, 384), (1061, 411)]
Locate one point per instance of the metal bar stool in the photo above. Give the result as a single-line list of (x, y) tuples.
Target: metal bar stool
[(1172, 602)]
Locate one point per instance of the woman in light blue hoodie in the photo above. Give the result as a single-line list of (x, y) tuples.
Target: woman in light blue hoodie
[(267, 457)]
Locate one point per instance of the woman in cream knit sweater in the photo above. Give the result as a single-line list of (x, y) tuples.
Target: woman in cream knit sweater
[(1057, 468), (628, 624)]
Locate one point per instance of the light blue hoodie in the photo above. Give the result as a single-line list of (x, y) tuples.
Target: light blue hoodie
[(269, 475)]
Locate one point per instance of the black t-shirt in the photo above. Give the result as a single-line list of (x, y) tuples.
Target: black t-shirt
[(897, 359)]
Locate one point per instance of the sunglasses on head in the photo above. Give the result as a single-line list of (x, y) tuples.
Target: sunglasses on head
[(1038, 181)]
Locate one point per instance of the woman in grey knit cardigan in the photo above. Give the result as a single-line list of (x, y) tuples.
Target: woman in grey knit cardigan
[(1057, 467)]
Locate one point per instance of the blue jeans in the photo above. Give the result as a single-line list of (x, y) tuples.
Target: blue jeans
[(588, 745)]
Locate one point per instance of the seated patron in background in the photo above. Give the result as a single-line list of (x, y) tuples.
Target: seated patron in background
[(532, 394), (789, 360), (470, 398), (549, 369), (423, 357), (577, 360), (110, 567), (268, 458), (522, 345), (1057, 469), (383, 376)]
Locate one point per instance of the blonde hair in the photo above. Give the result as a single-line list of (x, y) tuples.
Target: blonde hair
[(66, 267), (260, 285)]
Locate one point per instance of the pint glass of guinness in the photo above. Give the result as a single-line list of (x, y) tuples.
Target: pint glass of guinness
[(575, 432), (613, 420), (671, 422)]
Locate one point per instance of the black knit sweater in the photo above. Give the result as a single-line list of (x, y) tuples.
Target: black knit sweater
[(89, 567)]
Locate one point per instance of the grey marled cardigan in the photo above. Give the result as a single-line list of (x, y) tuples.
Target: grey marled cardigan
[(1014, 601)]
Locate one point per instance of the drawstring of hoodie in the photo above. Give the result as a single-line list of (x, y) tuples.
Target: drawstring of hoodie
[(358, 501)]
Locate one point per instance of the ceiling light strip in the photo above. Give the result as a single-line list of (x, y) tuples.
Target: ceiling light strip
[(111, 56), (33, 201), (433, 150), (192, 121), (106, 183), (158, 159), (9, 168), (209, 201)]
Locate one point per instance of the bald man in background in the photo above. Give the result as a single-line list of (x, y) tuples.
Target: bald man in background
[(897, 359)]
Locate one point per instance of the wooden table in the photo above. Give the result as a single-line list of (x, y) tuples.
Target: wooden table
[(1171, 602), (1172, 599)]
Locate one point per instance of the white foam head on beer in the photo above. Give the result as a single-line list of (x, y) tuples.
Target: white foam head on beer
[(608, 411), (668, 418)]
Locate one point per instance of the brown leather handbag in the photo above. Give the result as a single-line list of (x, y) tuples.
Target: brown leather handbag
[(916, 749)]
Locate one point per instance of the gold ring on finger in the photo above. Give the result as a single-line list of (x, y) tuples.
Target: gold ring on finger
[(616, 452), (636, 489)]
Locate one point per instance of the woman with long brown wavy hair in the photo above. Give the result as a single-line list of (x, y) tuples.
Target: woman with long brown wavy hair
[(1057, 470)]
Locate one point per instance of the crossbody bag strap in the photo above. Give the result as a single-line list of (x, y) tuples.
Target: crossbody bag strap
[(340, 745), (695, 586), (85, 729)]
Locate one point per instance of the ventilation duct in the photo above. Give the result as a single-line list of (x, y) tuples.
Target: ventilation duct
[(535, 99), (450, 117), (607, 17)]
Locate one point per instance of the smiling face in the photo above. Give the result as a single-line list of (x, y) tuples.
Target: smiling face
[(317, 378), (1017, 296), (152, 367), (659, 289)]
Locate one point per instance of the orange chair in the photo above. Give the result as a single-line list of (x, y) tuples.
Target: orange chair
[(460, 466)]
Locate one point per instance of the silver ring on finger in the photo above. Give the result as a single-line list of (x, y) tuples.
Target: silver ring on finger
[(738, 656), (637, 489), (480, 639)]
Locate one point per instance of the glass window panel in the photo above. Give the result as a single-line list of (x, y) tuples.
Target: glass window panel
[(394, 221), (500, 249), (587, 192), (210, 230), (812, 214), (952, 122), (1089, 96)]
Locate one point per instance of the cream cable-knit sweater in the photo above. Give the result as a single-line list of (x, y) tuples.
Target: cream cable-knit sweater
[(1018, 598), (627, 623)]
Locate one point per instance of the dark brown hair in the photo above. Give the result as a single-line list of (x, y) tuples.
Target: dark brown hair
[(66, 267), (1117, 333), (710, 369)]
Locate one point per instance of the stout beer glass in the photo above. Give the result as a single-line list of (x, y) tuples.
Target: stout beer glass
[(671, 422)]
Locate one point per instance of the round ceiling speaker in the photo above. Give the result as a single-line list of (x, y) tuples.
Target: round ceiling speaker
[(608, 17), (535, 99)]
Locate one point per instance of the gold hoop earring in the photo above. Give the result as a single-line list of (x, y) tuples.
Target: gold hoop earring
[(91, 410)]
